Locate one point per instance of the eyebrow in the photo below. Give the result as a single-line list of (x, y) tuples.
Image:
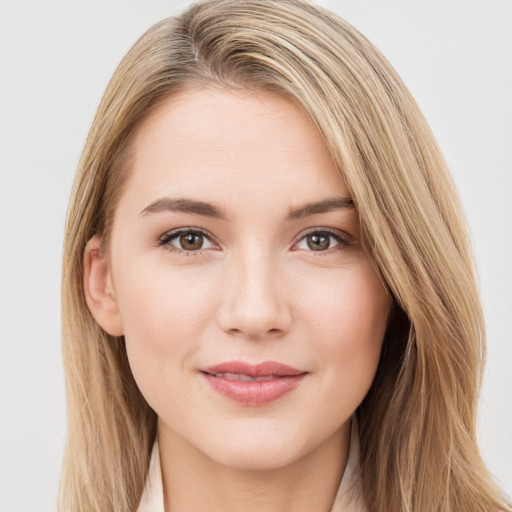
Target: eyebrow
[(322, 206), (185, 206), (205, 209)]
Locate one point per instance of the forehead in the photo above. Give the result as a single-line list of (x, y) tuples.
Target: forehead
[(219, 144)]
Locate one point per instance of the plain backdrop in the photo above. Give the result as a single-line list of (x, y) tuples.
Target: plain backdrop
[(55, 60)]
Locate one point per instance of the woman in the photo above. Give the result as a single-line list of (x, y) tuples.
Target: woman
[(269, 297)]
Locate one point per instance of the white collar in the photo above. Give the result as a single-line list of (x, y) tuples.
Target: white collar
[(153, 496), (348, 497)]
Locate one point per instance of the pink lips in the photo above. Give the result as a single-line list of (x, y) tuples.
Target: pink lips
[(250, 384)]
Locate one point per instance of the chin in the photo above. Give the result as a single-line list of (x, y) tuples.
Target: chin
[(257, 450), (255, 458)]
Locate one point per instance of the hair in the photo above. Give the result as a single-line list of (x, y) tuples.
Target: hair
[(417, 423)]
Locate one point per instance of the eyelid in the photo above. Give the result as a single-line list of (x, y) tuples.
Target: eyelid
[(174, 233), (342, 238), (325, 229)]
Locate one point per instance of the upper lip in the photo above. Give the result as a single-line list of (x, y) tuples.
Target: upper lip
[(264, 369)]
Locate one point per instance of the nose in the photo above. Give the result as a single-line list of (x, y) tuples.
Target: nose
[(255, 301)]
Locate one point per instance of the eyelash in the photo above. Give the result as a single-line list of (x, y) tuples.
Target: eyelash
[(172, 235), (343, 243)]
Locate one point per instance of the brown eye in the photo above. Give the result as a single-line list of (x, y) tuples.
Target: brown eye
[(318, 241), (321, 241), (186, 240), (191, 241)]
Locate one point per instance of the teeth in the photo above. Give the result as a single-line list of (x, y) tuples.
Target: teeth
[(245, 378)]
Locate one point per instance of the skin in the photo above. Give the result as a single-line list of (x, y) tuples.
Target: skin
[(258, 289)]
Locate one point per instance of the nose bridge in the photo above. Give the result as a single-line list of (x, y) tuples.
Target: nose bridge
[(255, 303)]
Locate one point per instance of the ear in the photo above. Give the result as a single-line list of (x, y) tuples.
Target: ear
[(99, 292)]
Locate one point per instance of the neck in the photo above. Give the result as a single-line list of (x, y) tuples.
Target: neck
[(193, 481)]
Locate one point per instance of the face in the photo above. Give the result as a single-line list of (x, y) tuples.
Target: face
[(253, 318)]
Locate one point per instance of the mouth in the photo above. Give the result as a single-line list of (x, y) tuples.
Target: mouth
[(253, 385), (243, 377)]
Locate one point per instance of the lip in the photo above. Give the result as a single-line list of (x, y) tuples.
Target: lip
[(234, 380)]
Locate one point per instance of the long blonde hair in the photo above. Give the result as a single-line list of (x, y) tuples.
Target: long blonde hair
[(417, 423)]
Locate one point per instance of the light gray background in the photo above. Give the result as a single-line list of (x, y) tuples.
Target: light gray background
[(55, 60)]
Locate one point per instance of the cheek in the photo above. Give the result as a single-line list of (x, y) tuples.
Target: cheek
[(350, 302), (163, 314), (348, 314), (159, 303)]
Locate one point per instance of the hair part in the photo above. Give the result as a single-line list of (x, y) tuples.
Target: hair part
[(418, 422)]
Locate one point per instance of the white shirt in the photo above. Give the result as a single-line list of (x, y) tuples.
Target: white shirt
[(348, 497)]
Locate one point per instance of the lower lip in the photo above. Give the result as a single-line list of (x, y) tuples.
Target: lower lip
[(254, 392)]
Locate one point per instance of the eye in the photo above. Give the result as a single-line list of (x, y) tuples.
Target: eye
[(189, 240), (321, 241)]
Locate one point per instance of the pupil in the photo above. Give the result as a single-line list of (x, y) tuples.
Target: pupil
[(318, 242), (191, 241)]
